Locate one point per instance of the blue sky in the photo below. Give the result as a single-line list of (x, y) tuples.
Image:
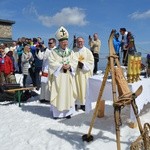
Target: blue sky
[(81, 18)]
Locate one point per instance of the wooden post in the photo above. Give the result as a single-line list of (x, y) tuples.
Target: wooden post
[(101, 109)]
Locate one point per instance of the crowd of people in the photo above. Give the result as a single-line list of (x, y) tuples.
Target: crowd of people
[(126, 45), (60, 73)]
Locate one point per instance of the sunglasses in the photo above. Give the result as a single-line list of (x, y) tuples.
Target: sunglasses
[(50, 43)]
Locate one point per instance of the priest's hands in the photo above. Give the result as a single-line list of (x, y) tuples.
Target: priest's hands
[(66, 67), (80, 65)]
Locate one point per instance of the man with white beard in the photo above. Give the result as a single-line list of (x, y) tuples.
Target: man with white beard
[(43, 55)]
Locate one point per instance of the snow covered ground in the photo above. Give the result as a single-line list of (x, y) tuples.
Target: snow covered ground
[(31, 127)]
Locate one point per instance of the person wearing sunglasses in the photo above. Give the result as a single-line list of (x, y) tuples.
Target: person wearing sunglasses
[(43, 55)]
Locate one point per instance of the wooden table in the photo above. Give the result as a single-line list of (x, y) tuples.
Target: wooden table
[(94, 84), (18, 92)]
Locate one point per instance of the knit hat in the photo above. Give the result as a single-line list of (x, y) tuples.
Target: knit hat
[(122, 29), (62, 34), (117, 34), (2, 46), (148, 56)]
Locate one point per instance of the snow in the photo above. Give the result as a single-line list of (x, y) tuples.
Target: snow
[(31, 127)]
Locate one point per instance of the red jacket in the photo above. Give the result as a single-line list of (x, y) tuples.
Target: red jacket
[(6, 65)]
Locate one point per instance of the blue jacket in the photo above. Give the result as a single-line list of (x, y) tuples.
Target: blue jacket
[(20, 50), (38, 63), (117, 45)]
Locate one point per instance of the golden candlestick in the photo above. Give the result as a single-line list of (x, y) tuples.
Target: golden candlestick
[(134, 69), (138, 68), (130, 68)]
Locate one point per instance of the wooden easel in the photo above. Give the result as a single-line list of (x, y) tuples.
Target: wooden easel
[(126, 97)]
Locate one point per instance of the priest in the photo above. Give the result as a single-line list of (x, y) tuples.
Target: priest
[(62, 68), (84, 71)]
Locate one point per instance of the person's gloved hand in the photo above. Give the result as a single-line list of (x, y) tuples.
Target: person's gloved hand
[(80, 65)]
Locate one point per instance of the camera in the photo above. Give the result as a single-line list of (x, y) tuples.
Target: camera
[(90, 37), (39, 44)]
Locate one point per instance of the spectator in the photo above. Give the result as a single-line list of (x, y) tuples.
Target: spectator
[(19, 52), (6, 48), (32, 68), (95, 45), (6, 67), (148, 66), (43, 55), (27, 60), (117, 44), (13, 48), (10, 54), (36, 67), (131, 44), (124, 43), (128, 45)]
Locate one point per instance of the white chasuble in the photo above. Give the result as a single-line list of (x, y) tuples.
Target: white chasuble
[(63, 87), (85, 56)]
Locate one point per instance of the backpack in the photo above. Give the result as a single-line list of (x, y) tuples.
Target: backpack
[(25, 96)]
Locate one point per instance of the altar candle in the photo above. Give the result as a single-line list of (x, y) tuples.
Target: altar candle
[(130, 65), (135, 61), (139, 65)]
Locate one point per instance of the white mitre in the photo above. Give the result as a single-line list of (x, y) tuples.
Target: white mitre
[(62, 34)]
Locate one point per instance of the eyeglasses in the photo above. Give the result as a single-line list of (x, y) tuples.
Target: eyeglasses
[(50, 43)]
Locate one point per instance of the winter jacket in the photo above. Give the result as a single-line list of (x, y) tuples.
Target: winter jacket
[(6, 65), (117, 45), (26, 58), (20, 50)]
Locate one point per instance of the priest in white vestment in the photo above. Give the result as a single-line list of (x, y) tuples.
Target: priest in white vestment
[(62, 67), (43, 55), (84, 70)]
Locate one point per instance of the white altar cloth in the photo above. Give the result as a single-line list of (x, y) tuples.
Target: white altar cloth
[(93, 88)]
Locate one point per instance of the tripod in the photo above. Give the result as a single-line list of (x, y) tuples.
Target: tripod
[(126, 97)]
